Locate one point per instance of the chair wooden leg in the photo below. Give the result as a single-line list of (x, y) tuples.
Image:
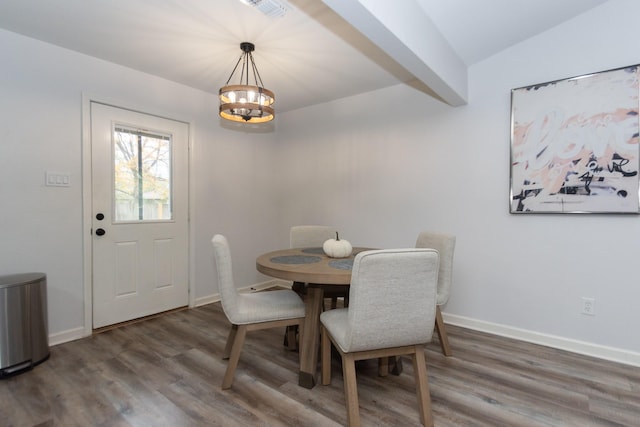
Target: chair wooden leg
[(422, 386), (290, 338), (391, 364), (383, 366), (351, 389), (395, 365), (442, 333), (234, 357), (326, 356), (230, 338), (300, 328)]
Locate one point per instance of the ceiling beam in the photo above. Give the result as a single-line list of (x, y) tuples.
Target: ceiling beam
[(406, 33)]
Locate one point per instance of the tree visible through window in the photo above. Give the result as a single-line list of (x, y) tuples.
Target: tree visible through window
[(142, 174)]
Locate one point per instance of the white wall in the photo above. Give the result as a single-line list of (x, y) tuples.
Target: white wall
[(385, 165), (41, 129)]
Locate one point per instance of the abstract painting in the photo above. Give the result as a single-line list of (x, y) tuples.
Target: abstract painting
[(574, 145)]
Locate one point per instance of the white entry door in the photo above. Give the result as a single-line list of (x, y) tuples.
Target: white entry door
[(140, 214)]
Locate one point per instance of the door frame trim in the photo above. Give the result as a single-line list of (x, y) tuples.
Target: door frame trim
[(87, 194)]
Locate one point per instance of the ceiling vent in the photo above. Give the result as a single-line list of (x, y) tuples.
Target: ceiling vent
[(271, 8)]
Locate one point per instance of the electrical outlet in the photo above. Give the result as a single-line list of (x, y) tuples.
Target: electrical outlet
[(589, 306)]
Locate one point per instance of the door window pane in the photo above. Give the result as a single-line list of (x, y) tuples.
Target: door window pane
[(142, 175)]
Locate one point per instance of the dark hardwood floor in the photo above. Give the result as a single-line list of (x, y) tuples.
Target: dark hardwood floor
[(167, 371)]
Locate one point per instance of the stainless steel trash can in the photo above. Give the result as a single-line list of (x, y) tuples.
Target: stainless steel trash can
[(24, 332)]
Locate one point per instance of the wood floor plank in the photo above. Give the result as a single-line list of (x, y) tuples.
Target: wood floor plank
[(167, 371), (201, 379)]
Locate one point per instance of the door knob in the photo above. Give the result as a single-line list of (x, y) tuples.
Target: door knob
[(100, 217), (100, 232)]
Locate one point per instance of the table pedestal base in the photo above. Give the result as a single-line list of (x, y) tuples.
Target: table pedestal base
[(306, 380), (310, 337)]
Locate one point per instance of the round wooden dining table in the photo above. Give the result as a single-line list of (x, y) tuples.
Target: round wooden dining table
[(311, 266)]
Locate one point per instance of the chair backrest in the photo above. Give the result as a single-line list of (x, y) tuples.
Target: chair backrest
[(445, 245), (310, 236), (228, 292), (392, 300)]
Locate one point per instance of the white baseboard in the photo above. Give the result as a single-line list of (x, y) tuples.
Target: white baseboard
[(269, 284), (588, 349), (66, 336), (206, 300)]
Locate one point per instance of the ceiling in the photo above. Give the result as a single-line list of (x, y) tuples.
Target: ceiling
[(311, 55)]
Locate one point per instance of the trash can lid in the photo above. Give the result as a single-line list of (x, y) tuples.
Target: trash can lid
[(20, 279)]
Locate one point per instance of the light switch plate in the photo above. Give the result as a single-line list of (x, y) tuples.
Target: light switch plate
[(57, 179)]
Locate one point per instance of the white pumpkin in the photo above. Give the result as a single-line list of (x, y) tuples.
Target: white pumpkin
[(336, 248)]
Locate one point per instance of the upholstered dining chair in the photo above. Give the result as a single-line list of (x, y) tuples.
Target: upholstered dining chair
[(445, 245), (250, 311), (381, 322), (309, 236)]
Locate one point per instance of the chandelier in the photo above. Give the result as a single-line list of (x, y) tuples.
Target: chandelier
[(244, 102)]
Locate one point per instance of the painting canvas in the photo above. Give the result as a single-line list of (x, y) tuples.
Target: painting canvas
[(574, 145)]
